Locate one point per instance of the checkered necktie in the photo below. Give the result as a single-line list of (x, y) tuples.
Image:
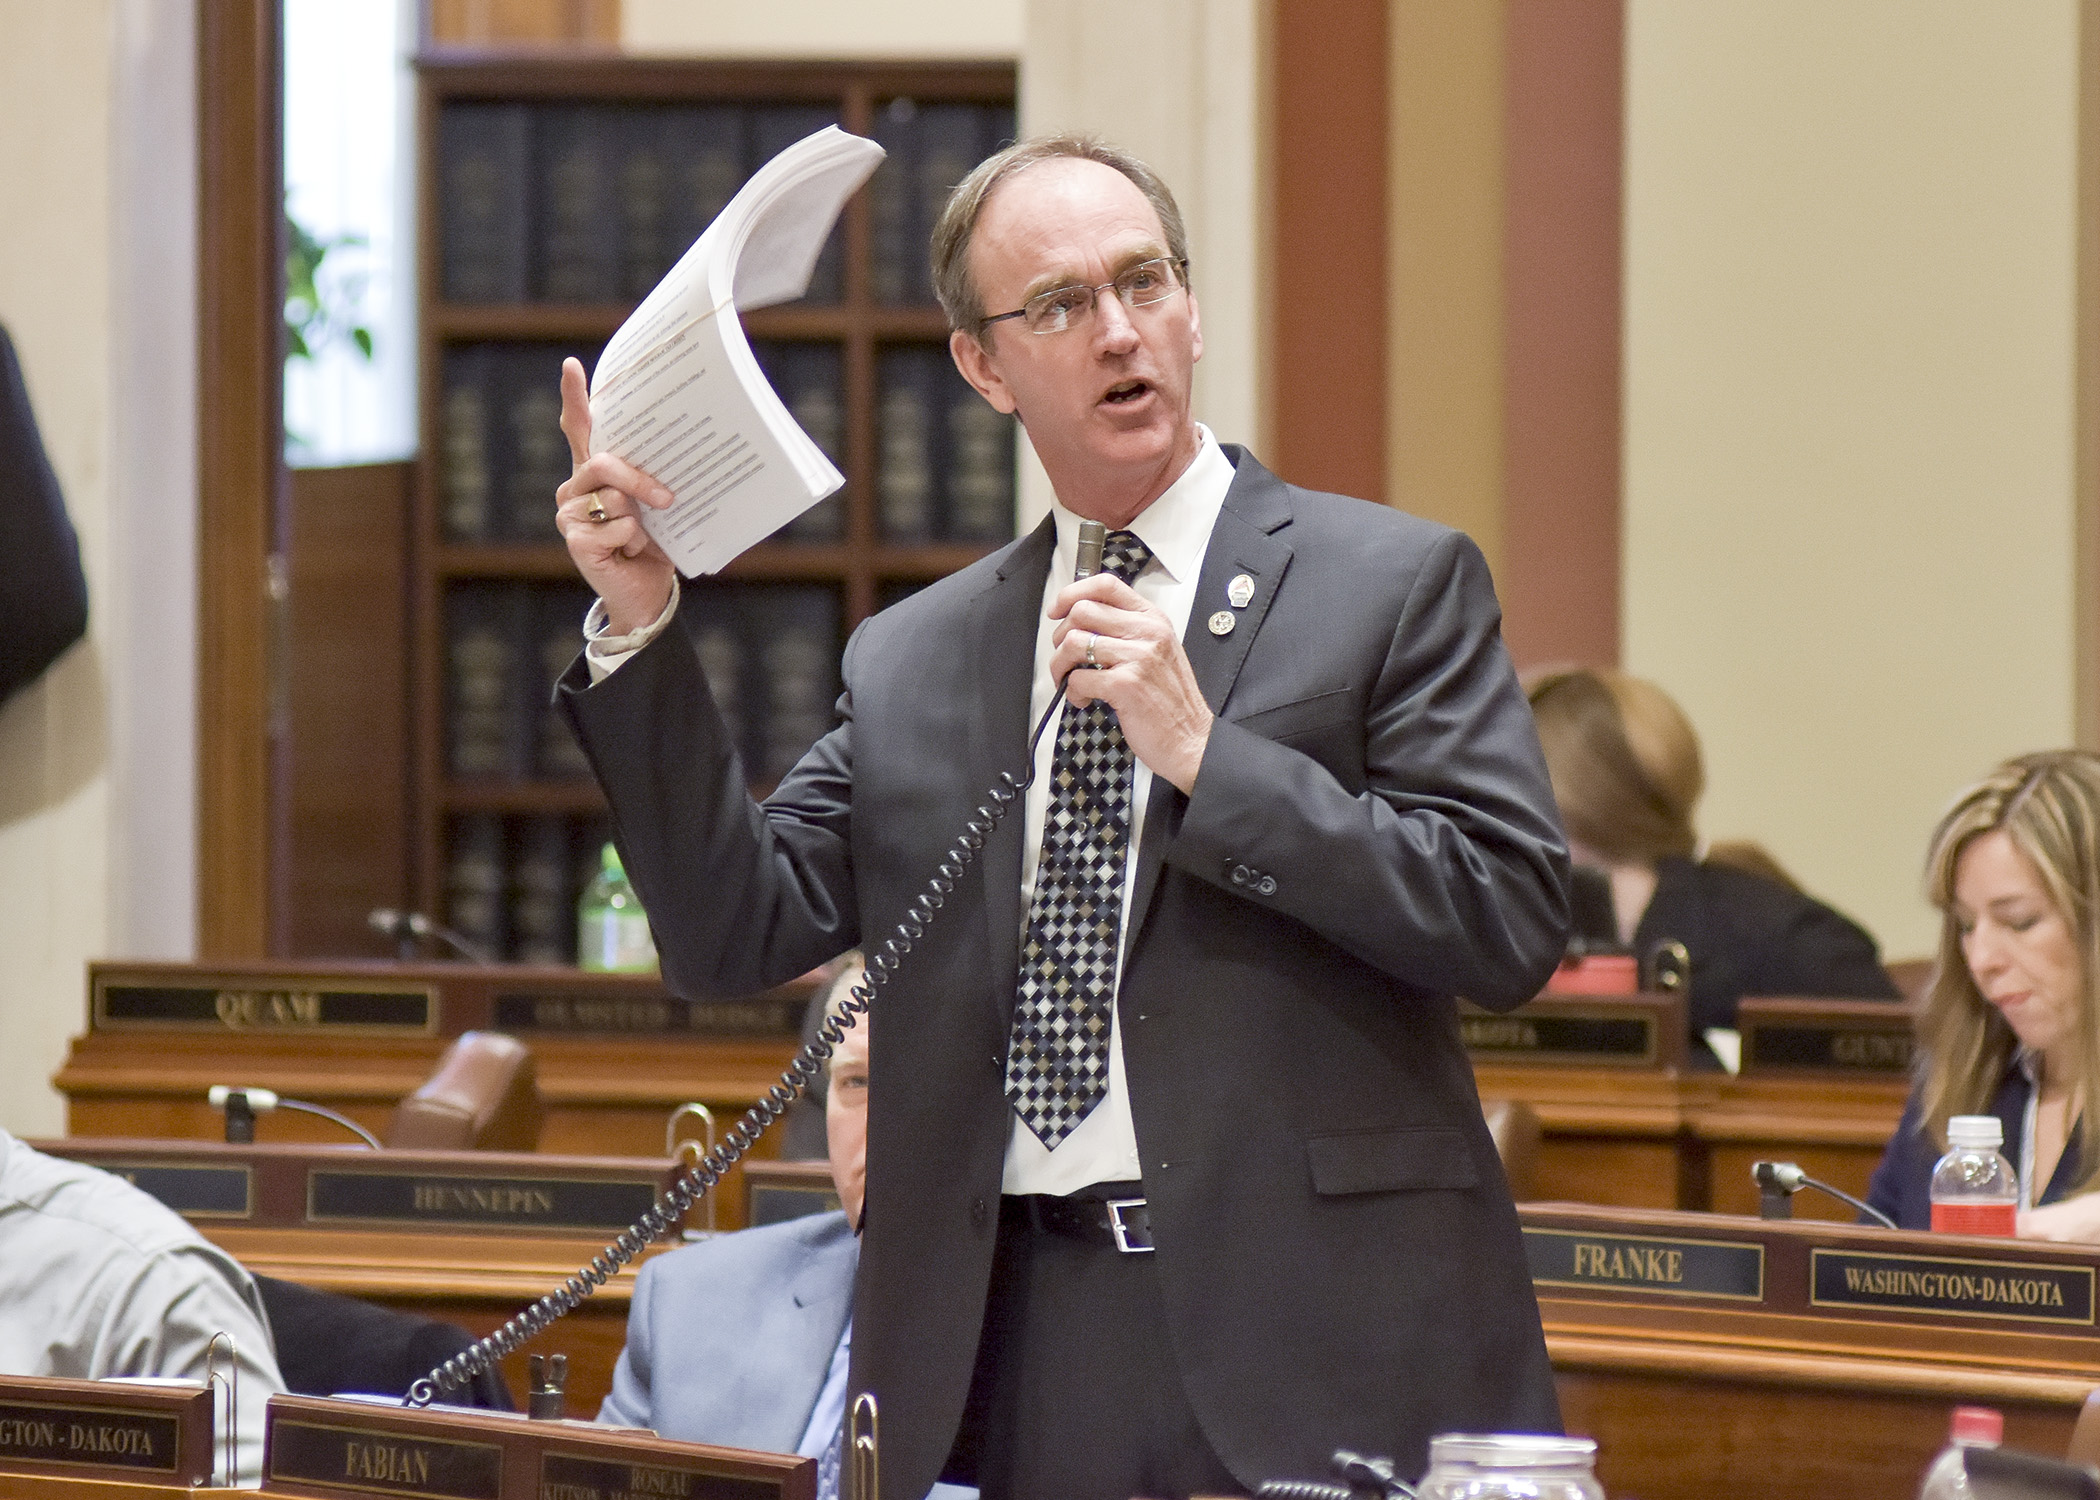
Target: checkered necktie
[(1057, 1059)]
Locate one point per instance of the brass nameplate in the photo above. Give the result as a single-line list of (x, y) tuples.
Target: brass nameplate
[(2026, 1291), (565, 1477), (88, 1436), (1560, 1037), (383, 1463), (346, 1008), (1731, 1269), (653, 1015), (508, 1202), (1834, 1046), (194, 1192)]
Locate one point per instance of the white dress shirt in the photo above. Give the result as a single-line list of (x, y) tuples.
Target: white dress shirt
[(1177, 528)]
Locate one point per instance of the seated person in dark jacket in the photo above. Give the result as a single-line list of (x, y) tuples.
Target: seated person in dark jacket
[(2009, 1025), (1627, 774)]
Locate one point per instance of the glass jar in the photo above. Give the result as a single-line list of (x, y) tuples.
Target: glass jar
[(1509, 1466)]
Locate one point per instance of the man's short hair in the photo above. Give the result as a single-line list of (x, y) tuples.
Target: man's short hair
[(952, 281)]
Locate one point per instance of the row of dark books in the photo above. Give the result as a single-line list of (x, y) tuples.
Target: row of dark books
[(512, 884), (594, 203), (771, 653), (945, 458)]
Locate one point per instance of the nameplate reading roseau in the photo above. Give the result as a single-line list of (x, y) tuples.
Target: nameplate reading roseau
[(565, 1477), (1651, 1265), (233, 1005), (2022, 1291), (421, 1464), (510, 1202), (157, 1433)]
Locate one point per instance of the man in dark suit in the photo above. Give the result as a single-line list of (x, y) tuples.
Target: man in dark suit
[(1181, 1178)]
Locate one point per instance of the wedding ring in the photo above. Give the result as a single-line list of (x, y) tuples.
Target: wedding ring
[(597, 511), (1091, 638)]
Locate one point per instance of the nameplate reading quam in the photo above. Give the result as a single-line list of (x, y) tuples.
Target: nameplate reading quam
[(349, 1009)]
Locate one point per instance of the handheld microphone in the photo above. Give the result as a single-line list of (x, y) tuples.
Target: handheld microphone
[(1093, 536)]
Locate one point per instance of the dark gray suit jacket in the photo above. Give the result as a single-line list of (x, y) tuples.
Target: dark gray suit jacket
[(1372, 833)]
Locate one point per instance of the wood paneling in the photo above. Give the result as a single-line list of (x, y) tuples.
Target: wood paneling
[(1328, 278), (240, 465), (346, 751), (481, 22), (1564, 87)]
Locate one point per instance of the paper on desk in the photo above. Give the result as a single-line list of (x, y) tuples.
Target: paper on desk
[(679, 394)]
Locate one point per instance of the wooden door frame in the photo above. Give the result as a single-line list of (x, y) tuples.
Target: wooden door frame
[(240, 463)]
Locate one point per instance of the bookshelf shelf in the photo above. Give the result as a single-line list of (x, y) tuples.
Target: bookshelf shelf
[(554, 192)]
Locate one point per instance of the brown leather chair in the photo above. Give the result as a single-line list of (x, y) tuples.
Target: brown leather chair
[(1910, 976), (1514, 1125), (484, 1096)]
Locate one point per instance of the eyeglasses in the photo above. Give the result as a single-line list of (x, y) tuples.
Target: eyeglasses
[(1066, 307)]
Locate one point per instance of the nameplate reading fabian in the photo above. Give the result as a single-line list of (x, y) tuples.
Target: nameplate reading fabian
[(509, 1202), (2022, 1291), (383, 1463), (1654, 1266), (344, 1009)]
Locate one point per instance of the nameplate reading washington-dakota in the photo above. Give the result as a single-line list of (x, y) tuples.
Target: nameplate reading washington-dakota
[(1829, 1048), (355, 1008), (88, 1437), (2025, 1291), (563, 1477), (1653, 1266), (383, 1463), (1560, 1037), (468, 1202)]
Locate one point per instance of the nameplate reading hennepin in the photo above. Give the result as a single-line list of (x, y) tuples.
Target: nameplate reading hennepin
[(252, 1007), (2025, 1291), (384, 1463), (88, 1436), (469, 1202), (564, 1477), (1732, 1269)]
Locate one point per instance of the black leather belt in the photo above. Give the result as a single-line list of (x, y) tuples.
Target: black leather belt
[(1101, 1216)]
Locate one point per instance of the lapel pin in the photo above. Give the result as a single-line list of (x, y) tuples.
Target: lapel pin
[(1222, 622), (1240, 592)]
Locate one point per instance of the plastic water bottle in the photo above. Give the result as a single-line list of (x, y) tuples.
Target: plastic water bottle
[(1510, 1466), (1974, 1190), (1971, 1427), (612, 930)]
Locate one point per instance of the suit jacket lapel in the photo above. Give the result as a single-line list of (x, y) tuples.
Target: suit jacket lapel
[(1001, 637), (1257, 505)]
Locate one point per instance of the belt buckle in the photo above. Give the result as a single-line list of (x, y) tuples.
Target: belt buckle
[(1123, 1230)]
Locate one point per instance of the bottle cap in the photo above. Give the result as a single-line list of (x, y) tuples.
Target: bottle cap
[(1977, 1424), (1975, 1133)]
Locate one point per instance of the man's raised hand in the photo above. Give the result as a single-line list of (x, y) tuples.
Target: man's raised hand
[(598, 513)]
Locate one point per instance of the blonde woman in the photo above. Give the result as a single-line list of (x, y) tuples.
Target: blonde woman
[(1627, 774), (2009, 1026)]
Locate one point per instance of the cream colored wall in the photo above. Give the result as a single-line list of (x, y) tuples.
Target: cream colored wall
[(1190, 104), (1849, 437), (824, 28), (97, 287)]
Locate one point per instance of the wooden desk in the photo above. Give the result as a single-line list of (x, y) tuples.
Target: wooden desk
[(1776, 1395)]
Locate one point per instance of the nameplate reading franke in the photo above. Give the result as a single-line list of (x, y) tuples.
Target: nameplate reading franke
[(507, 1202), (650, 1015), (1576, 1038), (1638, 1263), (266, 1008), (383, 1463), (1829, 1048), (89, 1436), (2024, 1291), (567, 1478)]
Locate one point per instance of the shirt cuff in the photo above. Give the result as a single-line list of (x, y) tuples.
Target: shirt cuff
[(604, 654)]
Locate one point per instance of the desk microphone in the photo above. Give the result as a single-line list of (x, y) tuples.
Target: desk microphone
[(242, 1105), (1778, 1181)]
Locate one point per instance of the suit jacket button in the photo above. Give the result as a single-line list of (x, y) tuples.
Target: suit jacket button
[(978, 1213), (1267, 886)]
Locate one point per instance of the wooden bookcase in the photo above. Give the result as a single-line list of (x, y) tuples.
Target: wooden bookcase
[(861, 567)]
